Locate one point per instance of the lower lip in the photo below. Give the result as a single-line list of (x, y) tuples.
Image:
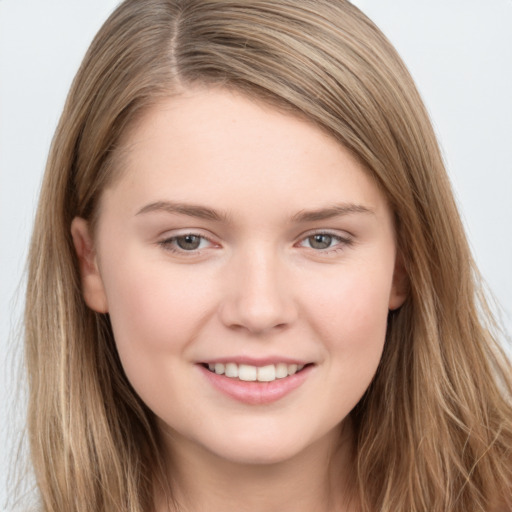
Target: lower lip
[(256, 393)]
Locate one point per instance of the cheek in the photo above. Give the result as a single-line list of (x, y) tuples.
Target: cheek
[(351, 309), (352, 324), (155, 316), (351, 320), (154, 310)]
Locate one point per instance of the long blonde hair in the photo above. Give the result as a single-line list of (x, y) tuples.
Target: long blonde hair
[(434, 430)]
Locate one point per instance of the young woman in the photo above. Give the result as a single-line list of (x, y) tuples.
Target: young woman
[(249, 286)]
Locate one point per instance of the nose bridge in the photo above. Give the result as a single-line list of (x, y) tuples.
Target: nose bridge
[(259, 297)]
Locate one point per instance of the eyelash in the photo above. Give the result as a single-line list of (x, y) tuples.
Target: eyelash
[(169, 244), (342, 242)]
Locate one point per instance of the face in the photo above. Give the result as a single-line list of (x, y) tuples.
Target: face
[(248, 263)]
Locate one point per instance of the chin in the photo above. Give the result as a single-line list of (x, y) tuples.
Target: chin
[(258, 454), (251, 447)]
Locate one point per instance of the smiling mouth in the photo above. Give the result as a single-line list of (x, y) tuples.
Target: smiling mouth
[(249, 373)]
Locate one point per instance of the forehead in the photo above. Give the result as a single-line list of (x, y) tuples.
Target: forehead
[(213, 144)]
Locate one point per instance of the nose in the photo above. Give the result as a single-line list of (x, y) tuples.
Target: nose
[(258, 294)]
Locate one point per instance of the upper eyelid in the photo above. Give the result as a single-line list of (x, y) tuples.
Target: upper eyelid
[(331, 232), (344, 240), (177, 233), (166, 236)]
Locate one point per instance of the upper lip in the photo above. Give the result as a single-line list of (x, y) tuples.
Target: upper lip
[(255, 361)]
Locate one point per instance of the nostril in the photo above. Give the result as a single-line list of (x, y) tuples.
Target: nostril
[(258, 307)]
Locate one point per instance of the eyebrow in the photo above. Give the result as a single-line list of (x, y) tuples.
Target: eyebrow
[(191, 210), (205, 213), (336, 210)]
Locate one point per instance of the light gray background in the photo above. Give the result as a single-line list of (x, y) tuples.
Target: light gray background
[(459, 52)]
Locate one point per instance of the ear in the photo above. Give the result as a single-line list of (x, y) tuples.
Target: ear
[(400, 285), (92, 283)]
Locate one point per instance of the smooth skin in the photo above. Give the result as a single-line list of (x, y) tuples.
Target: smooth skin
[(237, 231)]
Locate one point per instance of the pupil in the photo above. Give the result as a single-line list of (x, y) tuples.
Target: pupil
[(188, 242), (320, 241)]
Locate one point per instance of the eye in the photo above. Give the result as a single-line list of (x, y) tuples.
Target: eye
[(320, 241), (188, 242), (325, 241)]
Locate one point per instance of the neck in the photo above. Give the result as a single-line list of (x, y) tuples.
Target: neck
[(316, 479)]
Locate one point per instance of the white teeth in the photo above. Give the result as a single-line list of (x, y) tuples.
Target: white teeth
[(292, 369), (249, 373), (267, 373), (231, 370), (281, 370)]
